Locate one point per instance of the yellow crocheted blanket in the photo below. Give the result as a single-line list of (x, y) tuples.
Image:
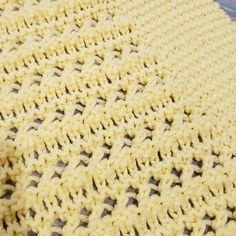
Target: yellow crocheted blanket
[(117, 117)]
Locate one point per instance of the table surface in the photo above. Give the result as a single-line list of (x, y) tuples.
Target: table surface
[(229, 6)]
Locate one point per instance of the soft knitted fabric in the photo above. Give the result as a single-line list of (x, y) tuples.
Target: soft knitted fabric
[(117, 117)]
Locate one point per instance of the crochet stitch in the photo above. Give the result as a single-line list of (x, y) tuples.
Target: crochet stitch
[(117, 117)]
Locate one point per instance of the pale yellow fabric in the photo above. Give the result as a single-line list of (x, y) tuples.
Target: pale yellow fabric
[(117, 117)]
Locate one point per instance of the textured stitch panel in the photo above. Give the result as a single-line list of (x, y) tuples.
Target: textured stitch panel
[(117, 118)]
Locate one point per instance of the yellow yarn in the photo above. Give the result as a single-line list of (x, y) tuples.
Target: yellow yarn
[(117, 117)]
